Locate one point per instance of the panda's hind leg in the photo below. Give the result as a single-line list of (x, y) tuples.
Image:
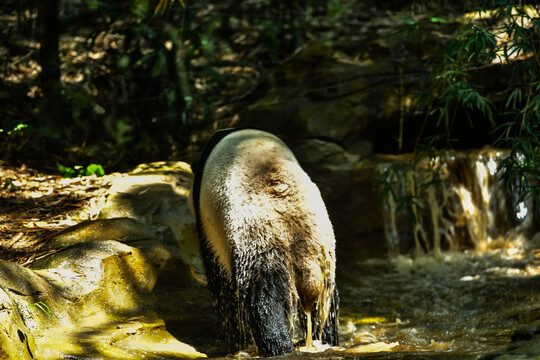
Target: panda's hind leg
[(266, 300), (329, 333), (227, 310), (229, 320)]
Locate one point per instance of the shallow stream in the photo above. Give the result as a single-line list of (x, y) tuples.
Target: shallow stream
[(462, 281), (466, 303)]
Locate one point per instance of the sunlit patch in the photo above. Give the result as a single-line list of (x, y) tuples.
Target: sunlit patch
[(483, 180), (96, 55), (470, 278), (522, 211), (168, 45), (492, 166), (522, 15), (370, 320), (466, 201), (532, 270), (316, 346), (504, 271), (375, 347)]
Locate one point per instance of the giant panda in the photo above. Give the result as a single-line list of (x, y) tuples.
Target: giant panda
[(266, 242)]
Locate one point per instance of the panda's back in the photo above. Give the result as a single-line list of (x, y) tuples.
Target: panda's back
[(252, 180)]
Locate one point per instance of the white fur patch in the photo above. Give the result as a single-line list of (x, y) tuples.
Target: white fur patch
[(252, 178)]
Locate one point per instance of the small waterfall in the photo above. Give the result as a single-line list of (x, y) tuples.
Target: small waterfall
[(450, 202)]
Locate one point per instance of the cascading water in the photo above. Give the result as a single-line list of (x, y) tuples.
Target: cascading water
[(463, 277), (451, 202)]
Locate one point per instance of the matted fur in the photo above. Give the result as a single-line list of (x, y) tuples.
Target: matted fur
[(266, 240)]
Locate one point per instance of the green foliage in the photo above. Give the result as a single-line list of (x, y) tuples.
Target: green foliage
[(509, 34), (79, 170), (149, 73), (41, 306), (139, 76), (521, 169), (16, 128), (451, 88), (334, 8), (404, 183), (393, 187), (9, 184)]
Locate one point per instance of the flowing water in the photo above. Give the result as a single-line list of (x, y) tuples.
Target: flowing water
[(463, 273), (452, 202), (464, 303)]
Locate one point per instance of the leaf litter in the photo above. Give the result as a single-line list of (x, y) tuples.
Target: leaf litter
[(34, 207)]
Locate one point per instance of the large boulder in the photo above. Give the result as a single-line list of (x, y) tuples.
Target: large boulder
[(350, 191), (318, 93), (115, 287), (156, 194), (89, 299)]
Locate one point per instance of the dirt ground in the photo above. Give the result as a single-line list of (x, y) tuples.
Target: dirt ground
[(34, 207)]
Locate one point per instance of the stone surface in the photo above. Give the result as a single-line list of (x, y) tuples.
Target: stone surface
[(156, 194), (349, 188), (95, 296), (119, 229), (318, 94), (87, 300)]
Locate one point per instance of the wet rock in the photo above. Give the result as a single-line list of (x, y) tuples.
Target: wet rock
[(460, 202), (412, 336), (524, 334), (328, 164), (527, 333), (348, 186), (525, 344)]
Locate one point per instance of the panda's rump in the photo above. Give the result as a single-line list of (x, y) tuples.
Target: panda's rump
[(240, 189), (287, 206), (255, 182)]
